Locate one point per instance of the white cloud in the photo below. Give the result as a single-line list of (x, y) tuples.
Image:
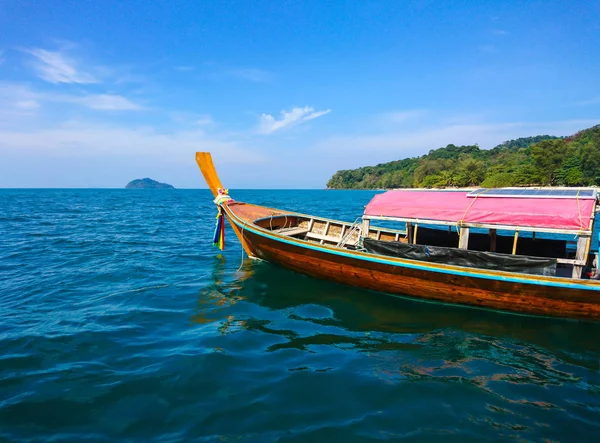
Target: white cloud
[(268, 124), (106, 102), (17, 96), (17, 100), (55, 67), (315, 114), (27, 105)]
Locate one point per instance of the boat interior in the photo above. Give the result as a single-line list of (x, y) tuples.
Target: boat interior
[(327, 232), (350, 236)]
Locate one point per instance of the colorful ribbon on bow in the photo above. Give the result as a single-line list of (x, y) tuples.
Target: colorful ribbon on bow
[(219, 237)]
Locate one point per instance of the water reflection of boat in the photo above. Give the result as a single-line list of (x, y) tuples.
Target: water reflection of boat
[(390, 323), (220, 294), (471, 261)]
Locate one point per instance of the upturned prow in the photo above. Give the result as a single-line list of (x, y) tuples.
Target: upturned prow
[(204, 160)]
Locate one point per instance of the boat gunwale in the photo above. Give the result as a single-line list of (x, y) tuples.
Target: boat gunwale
[(562, 282)]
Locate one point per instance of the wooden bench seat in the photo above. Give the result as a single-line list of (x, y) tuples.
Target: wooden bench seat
[(328, 238), (323, 237), (291, 231)]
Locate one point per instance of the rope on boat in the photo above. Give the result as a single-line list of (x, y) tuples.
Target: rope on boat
[(278, 214), (459, 223), (242, 243)]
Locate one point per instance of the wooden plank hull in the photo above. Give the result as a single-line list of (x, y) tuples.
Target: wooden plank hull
[(548, 296)]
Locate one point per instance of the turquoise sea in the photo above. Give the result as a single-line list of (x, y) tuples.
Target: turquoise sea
[(121, 322)]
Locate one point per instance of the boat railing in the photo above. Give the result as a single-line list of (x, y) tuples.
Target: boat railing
[(356, 228)]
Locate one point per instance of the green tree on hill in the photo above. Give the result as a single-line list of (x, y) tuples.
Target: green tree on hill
[(533, 161)]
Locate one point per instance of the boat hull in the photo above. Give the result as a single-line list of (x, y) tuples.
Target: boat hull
[(477, 288), (501, 290)]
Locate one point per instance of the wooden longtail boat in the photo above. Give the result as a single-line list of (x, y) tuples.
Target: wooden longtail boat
[(502, 249)]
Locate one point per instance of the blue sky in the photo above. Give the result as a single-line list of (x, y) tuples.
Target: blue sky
[(283, 93)]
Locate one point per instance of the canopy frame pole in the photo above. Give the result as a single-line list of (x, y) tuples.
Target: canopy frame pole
[(365, 227), (582, 247), (463, 238), (516, 239), (409, 232), (492, 240)]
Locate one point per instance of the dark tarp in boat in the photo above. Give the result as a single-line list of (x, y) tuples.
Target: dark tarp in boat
[(463, 257)]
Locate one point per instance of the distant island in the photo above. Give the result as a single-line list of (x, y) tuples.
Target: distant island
[(533, 161), (147, 183)]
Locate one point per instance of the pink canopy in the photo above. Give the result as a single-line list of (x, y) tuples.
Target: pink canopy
[(454, 206)]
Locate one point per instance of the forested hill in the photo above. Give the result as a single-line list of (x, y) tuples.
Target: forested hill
[(542, 160)]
